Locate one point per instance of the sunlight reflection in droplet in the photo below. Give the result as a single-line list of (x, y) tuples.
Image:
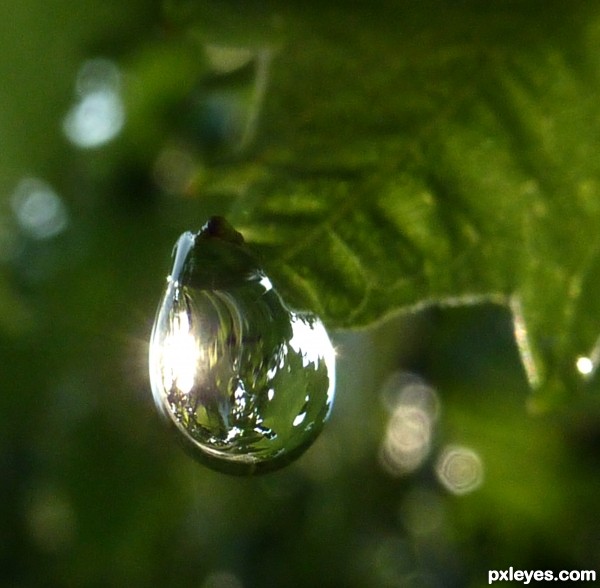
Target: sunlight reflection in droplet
[(310, 339), (180, 354), (459, 469), (40, 212), (99, 115), (414, 406)]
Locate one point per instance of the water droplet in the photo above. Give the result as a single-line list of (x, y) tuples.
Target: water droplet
[(246, 382)]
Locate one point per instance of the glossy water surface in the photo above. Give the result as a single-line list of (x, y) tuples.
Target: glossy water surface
[(246, 382)]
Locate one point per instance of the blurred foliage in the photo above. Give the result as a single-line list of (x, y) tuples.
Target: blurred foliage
[(378, 157)]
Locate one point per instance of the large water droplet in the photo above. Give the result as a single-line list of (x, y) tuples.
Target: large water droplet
[(246, 382)]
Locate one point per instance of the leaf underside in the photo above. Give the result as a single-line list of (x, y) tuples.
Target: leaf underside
[(411, 155)]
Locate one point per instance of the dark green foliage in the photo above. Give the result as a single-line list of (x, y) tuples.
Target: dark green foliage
[(436, 157)]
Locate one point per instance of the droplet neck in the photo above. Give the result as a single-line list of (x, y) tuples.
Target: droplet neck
[(181, 251), (218, 228), (214, 258)]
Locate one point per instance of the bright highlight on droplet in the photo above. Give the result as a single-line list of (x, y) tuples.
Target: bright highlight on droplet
[(99, 115), (459, 469), (246, 382), (585, 366), (180, 353)]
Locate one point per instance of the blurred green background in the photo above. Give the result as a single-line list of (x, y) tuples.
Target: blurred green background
[(124, 124)]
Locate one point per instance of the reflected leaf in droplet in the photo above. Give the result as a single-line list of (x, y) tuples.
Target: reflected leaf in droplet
[(246, 382)]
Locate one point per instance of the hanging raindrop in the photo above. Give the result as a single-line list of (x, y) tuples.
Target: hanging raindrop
[(246, 382)]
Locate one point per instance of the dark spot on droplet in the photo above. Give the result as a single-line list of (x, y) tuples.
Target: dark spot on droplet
[(217, 227)]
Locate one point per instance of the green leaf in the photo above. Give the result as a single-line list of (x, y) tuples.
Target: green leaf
[(430, 154)]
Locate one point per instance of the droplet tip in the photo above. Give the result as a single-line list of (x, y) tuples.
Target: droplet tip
[(219, 228)]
